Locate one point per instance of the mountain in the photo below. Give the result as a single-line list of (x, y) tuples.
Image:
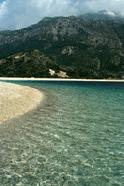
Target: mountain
[(87, 46)]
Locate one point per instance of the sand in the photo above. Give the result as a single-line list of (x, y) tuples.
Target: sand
[(62, 79), (16, 100)]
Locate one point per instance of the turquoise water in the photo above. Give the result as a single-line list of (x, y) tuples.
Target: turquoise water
[(74, 138)]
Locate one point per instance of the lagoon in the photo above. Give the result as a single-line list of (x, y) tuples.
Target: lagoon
[(75, 137)]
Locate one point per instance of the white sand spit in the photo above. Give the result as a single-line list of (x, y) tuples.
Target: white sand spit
[(15, 100)]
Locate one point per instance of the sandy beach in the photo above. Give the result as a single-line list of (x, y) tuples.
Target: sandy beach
[(60, 79), (15, 100)]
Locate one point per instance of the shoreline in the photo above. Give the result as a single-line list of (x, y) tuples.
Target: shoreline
[(16, 100), (60, 79)]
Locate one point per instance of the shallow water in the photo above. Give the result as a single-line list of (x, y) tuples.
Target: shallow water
[(74, 138)]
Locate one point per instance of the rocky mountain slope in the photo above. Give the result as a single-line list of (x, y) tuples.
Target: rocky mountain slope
[(88, 46)]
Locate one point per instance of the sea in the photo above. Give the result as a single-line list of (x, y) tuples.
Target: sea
[(75, 137)]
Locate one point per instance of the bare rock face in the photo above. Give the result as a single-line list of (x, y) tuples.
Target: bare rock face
[(69, 50), (88, 46)]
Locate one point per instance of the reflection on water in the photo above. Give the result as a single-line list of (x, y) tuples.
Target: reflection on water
[(74, 138)]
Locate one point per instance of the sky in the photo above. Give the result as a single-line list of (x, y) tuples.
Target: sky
[(16, 14)]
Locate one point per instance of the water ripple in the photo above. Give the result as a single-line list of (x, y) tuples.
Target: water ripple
[(74, 138)]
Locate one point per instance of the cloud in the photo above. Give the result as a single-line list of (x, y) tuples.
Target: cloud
[(15, 14), (3, 8)]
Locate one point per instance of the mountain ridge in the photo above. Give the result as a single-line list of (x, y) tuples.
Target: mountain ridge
[(88, 46)]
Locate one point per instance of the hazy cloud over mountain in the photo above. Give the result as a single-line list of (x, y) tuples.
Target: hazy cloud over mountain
[(22, 13)]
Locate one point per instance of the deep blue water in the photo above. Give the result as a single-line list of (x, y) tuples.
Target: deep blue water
[(74, 138)]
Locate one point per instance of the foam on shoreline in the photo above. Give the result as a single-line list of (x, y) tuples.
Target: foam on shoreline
[(15, 100)]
